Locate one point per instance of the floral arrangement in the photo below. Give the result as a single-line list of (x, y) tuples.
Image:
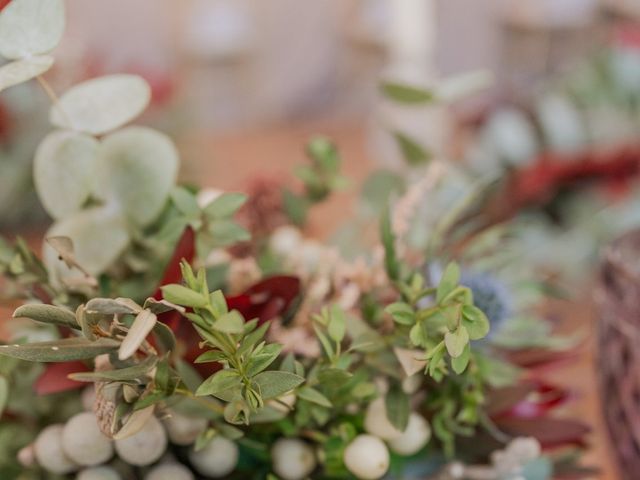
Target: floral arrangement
[(176, 333)]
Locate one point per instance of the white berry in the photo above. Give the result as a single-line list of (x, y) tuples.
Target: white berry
[(49, 453), (283, 403), (83, 442), (146, 446), (285, 240), (88, 398), (169, 471), (98, 473), (217, 459), (184, 430), (292, 459), (416, 436), (376, 421), (367, 457)]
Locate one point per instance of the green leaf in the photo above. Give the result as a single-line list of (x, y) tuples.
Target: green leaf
[(227, 232), (334, 377), (406, 93), (413, 153), (272, 384), (475, 321), (257, 363), (99, 237), (210, 356), (337, 324), (30, 27), (222, 384), (435, 357), (324, 341), (397, 407), (138, 170), (75, 348), (225, 205), (449, 281), (253, 338), (111, 306), (232, 322), (456, 341), (102, 104), (119, 375), (182, 295), (402, 313), (186, 202), (47, 314), (165, 337), (4, 393), (391, 262), (314, 396), (137, 334), (20, 71), (63, 170), (459, 364)]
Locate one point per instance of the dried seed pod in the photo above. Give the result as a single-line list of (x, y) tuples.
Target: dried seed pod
[(293, 459), (169, 471), (367, 457), (184, 430), (217, 459), (49, 453), (83, 442), (146, 446)]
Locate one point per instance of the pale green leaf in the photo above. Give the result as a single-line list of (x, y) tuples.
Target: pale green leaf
[(314, 396), (112, 306), (30, 27), (47, 314), (337, 324), (63, 168), (408, 94), (456, 341), (449, 281), (475, 321), (4, 393), (99, 237), (272, 384), (231, 322), (138, 168), (459, 364), (102, 104), (222, 384), (397, 407), (75, 348), (402, 313), (225, 205), (22, 70), (258, 362), (182, 295), (126, 374), (140, 328), (134, 423)]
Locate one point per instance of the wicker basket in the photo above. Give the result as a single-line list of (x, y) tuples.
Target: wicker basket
[(618, 297)]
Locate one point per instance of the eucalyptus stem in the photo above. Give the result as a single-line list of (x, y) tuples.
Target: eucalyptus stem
[(46, 86)]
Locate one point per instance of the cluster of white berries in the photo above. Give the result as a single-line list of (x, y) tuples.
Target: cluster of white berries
[(509, 463), (80, 446)]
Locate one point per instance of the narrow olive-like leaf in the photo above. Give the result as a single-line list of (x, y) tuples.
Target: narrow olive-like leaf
[(231, 322), (161, 306), (30, 27), (75, 348), (259, 362), (47, 314), (22, 70), (456, 341), (182, 295), (134, 423), (110, 306), (140, 328), (63, 168), (222, 384), (414, 153), (253, 338), (139, 167), (397, 407), (406, 93), (120, 375), (102, 104), (210, 356), (165, 336), (4, 393), (225, 205), (99, 237), (272, 384), (314, 396)]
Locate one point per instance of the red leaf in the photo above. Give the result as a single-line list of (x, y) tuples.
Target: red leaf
[(266, 299), (55, 379)]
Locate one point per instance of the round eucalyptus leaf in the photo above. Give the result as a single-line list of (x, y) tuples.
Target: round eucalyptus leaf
[(138, 168), (63, 171), (99, 237), (30, 27), (102, 104), (20, 71)]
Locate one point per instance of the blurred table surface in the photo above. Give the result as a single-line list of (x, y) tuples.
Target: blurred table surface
[(226, 161)]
